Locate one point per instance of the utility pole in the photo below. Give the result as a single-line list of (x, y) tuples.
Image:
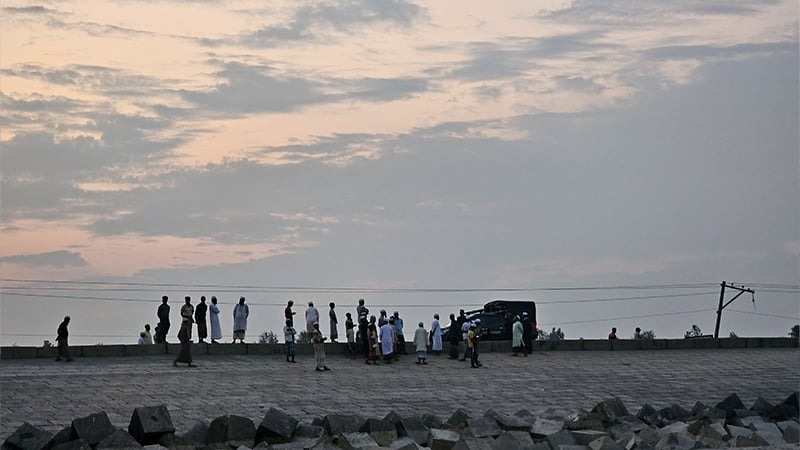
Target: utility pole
[(741, 290)]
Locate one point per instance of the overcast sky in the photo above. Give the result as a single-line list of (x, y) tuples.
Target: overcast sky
[(391, 144)]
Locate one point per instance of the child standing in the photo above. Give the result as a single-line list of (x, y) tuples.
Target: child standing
[(421, 343), (288, 337)]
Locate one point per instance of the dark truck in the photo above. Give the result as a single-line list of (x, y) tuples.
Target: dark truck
[(496, 318)]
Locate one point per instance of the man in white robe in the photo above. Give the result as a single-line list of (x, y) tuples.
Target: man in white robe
[(436, 335), (240, 314), (312, 317), (216, 329), (421, 343), (387, 342), (516, 338)]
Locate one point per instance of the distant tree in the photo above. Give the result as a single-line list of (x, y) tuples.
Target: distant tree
[(795, 331), (303, 338), (268, 337), (694, 332), (649, 334), (733, 335)]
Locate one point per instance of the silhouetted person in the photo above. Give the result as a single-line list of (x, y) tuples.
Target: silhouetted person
[(527, 333), (334, 323), (362, 312), (637, 334), (216, 329), (240, 314), (613, 334), (200, 318), (187, 312), (148, 337), (62, 339), (288, 314), (185, 336), (163, 321)]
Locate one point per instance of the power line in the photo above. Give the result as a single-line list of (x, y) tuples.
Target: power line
[(608, 319), (765, 314)]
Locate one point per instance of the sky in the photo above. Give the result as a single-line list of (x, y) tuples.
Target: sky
[(423, 156)]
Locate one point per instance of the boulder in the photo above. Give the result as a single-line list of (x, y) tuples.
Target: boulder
[(306, 431), (77, 444), (484, 427), (605, 443), (636, 443), (676, 441), (523, 413), (92, 428), (431, 421), (585, 437), (647, 414), (174, 442), (393, 417), (747, 441), (747, 422), (119, 440), (769, 432), (673, 413), (149, 423), (62, 437), (381, 431), (414, 428), (582, 420), (562, 437), (745, 413), (198, 434), (540, 446), (791, 432), (405, 443), (473, 443), (543, 427), (636, 424), (649, 436), (610, 410), (730, 403), (442, 439), (793, 401), (28, 437), (458, 419), (264, 446), (514, 440), (512, 423), (276, 427), (232, 431), (572, 447), (356, 441), (761, 406), (676, 427), (336, 424)]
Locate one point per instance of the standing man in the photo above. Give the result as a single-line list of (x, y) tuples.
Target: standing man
[(312, 317), (453, 334), (240, 314), (527, 333), (318, 342), (436, 335), (187, 312), (387, 342), (200, 318), (334, 322), (613, 334), (350, 332), (398, 328), (148, 337), (421, 343), (185, 337), (362, 313), (163, 321), (216, 329), (464, 337), (62, 338), (517, 334), (288, 313), (289, 340)]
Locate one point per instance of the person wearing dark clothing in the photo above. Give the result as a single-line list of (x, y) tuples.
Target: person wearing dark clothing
[(453, 336), (288, 314), (184, 335), (163, 322), (62, 339), (527, 333), (200, 318), (362, 313), (613, 334)]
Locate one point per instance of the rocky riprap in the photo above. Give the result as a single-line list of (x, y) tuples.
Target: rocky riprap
[(608, 426)]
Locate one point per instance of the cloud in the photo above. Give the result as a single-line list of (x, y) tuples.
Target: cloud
[(60, 258), (35, 9), (706, 52), (632, 12)]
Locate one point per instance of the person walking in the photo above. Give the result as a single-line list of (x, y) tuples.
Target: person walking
[(516, 338), (334, 323), (148, 337), (362, 312), (185, 338), (200, 319), (421, 343), (213, 317), (318, 341), (240, 314), (436, 335), (289, 339), (312, 317), (187, 312), (387, 342), (62, 337), (163, 321)]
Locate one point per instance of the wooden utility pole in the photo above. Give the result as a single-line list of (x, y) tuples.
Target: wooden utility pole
[(741, 290)]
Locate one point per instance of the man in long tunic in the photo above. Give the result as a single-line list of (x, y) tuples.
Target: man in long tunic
[(213, 317), (387, 342), (453, 334), (516, 337), (240, 314), (362, 313), (163, 321), (398, 328), (436, 335), (62, 338), (187, 312), (312, 317), (334, 322), (200, 318), (421, 344)]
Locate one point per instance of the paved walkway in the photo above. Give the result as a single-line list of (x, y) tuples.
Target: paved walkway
[(50, 394)]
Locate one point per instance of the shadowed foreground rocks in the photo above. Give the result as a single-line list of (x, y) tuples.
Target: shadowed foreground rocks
[(609, 425)]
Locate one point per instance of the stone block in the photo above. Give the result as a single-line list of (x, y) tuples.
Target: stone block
[(676, 427), (676, 441), (264, 446), (791, 432), (730, 403), (512, 423), (174, 442), (745, 413), (197, 434), (92, 428), (276, 427), (747, 422), (647, 414), (514, 440), (393, 417), (572, 447), (582, 420), (306, 431), (635, 443), (484, 427), (585, 437), (543, 427), (698, 410), (562, 437), (356, 441), (636, 424), (28, 437), (673, 413), (77, 444), (149, 423), (442, 439), (405, 443), (747, 441), (649, 436), (605, 443), (458, 419), (541, 446), (610, 410), (432, 421), (769, 432), (119, 440), (473, 443), (524, 413), (761, 406), (382, 431), (414, 428), (232, 430), (62, 437), (336, 424), (735, 431)]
